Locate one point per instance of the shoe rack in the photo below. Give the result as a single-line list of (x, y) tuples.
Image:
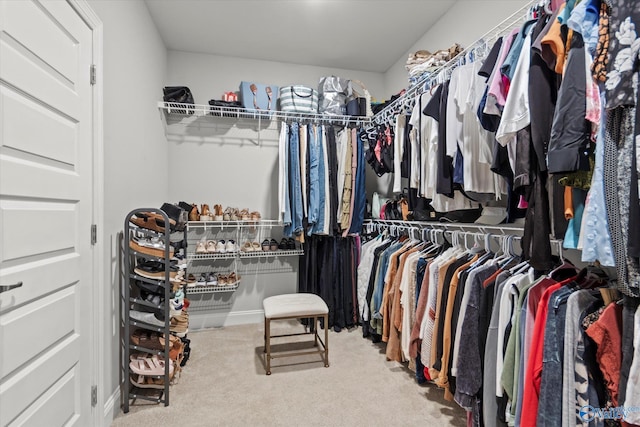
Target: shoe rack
[(238, 231), (152, 315)]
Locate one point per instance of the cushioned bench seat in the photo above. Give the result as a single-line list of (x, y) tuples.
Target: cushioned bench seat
[(296, 306)]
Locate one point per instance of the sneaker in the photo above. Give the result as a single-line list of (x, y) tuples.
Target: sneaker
[(291, 244), (221, 247), (212, 280), (231, 246), (146, 317), (175, 308), (211, 246), (153, 270), (149, 246), (202, 280), (201, 248)]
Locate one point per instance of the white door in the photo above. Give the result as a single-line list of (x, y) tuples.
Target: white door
[(46, 182)]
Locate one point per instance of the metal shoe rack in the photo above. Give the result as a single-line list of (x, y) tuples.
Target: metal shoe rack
[(236, 230), (130, 299)]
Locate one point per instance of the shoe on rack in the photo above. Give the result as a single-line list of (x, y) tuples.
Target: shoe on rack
[(212, 280), (283, 244), (205, 213), (247, 247), (233, 279), (153, 246), (245, 215), (202, 280), (273, 245), (154, 270), (148, 221), (146, 317), (257, 247), (218, 214), (175, 308), (176, 214), (221, 247), (194, 214), (211, 246), (266, 245), (255, 216), (222, 280), (291, 244), (227, 214), (231, 246)]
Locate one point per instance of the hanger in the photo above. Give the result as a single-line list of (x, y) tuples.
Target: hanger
[(560, 273)]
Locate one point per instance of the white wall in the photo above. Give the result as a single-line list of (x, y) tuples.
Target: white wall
[(135, 150), (231, 163), (209, 76), (464, 23)]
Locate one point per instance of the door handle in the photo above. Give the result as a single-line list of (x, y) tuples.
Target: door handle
[(5, 288)]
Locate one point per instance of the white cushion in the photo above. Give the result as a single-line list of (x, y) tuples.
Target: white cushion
[(289, 305)]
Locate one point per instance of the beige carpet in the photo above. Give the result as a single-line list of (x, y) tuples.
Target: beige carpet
[(224, 384)]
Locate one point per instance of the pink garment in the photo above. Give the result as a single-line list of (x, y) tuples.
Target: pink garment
[(497, 94)]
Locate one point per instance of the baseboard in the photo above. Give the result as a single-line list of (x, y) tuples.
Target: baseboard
[(215, 320), (111, 408)]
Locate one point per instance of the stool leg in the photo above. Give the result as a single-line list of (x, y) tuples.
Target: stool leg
[(268, 344), (315, 331), (326, 340)]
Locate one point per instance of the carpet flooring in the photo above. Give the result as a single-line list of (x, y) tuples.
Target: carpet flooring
[(224, 384)]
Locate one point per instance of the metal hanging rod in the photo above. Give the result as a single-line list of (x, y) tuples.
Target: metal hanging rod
[(442, 73)]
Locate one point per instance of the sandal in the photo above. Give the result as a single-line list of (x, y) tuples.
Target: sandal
[(245, 215), (266, 244), (247, 247), (255, 216), (142, 381), (211, 246), (222, 279), (150, 366), (273, 245), (256, 247)]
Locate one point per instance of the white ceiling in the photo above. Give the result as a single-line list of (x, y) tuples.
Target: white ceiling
[(364, 35)]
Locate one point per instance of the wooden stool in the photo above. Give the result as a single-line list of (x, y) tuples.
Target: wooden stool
[(296, 306)]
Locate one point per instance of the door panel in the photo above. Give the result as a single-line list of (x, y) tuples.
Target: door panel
[(54, 137), (46, 183)]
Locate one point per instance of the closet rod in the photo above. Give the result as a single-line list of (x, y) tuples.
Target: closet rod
[(451, 226), (427, 81)]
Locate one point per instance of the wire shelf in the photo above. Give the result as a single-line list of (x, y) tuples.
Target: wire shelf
[(234, 224), (172, 111), (213, 255), (210, 289), (267, 254)]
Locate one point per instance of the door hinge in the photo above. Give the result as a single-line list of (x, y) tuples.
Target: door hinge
[(94, 234), (92, 74), (94, 396)]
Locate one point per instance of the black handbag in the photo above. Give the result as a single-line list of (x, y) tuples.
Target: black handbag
[(176, 96), (357, 107)]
